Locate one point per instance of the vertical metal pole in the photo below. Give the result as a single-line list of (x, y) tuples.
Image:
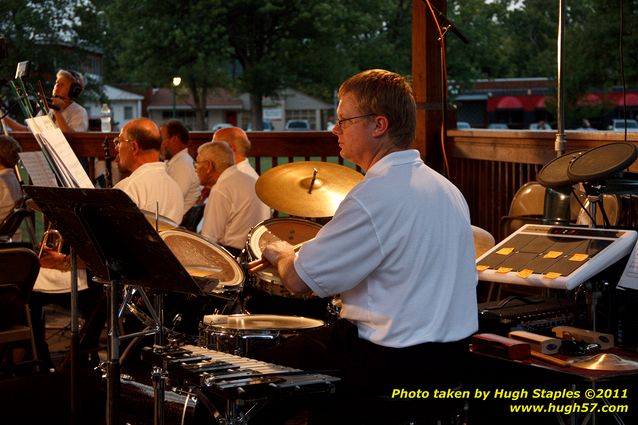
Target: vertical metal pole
[(559, 144), (113, 372), (75, 340), (174, 103)]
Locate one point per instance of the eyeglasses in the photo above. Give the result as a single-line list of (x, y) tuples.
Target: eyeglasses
[(342, 120), (117, 141)]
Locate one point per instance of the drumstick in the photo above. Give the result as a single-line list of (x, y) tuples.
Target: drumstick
[(258, 265)]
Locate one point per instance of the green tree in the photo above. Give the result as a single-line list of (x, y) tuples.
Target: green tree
[(45, 34), (153, 41)]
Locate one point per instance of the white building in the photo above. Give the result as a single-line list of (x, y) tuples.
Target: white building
[(124, 106)]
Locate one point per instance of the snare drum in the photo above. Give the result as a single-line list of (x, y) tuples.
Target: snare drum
[(291, 230), (204, 259), (240, 334)]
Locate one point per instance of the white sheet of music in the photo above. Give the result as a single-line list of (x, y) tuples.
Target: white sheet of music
[(53, 141), (629, 278), (40, 124), (38, 168)]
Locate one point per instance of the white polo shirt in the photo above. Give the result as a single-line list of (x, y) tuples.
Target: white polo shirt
[(181, 168), (150, 186), (233, 208), (400, 251)]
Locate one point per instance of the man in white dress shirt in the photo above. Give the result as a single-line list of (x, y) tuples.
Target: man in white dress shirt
[(148, 184), (238, 141), (179, 164), (233, 207)]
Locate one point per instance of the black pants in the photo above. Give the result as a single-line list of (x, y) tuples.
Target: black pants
[(369, 374), (92, 305)]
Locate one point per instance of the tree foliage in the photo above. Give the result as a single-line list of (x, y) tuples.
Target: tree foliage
[(45, 34), (262, 46)]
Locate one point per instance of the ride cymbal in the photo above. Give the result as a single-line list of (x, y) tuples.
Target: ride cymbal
[(306, 189)]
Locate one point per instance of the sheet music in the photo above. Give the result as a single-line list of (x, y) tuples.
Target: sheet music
[(629, 278), (57, 148), (38, 168), (40, 124)]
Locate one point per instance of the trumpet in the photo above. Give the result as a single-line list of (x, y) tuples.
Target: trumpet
[(51, 239)]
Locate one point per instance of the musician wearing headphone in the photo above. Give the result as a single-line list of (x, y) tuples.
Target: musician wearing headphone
[(68, 115)]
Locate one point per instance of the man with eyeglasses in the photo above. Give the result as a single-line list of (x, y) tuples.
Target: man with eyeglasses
[(399, 251), (147, 182)]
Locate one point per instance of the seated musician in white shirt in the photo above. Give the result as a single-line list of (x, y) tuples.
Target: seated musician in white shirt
[(179, 164), (147, 182), (233, 207)]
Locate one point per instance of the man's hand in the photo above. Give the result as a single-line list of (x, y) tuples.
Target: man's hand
[(274, 251)]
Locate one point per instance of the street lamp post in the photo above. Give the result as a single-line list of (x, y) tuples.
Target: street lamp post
[(176, 82)]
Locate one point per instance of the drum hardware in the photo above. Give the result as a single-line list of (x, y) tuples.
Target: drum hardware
[(313, 188)]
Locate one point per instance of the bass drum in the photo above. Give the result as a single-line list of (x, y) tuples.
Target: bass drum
[(291, 230), (241, 334)]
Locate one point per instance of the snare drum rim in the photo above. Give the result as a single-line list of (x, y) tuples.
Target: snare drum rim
[(239, 272)]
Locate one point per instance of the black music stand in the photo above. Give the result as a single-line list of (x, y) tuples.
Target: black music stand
[(118, 244)]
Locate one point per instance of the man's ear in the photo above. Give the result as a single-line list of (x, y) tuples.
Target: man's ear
[(381, 124), (135, 148)]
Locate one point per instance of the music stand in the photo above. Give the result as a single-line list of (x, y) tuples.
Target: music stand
[(118, 244)]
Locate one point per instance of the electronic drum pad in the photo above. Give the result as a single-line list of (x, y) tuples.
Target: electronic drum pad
[(554, 173), (602, 161)]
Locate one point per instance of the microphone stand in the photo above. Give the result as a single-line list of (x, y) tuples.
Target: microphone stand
[(446, 25)]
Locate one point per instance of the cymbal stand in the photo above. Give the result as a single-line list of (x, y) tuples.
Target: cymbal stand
[(158, 375), (113, 288), (595, 198)]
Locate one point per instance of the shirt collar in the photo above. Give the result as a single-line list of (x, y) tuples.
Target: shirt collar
[(407, 156)]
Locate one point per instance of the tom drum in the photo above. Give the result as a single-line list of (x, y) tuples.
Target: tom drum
[(292, 230)]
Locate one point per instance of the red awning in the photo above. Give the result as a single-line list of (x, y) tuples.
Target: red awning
[(509, 102), (540, 103), (632, 99)]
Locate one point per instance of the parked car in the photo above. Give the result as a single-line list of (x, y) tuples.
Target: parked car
[(265, 126), (463, 125), (297, 125), (220, 125), (497, 126), (619, 125), (539, 126)]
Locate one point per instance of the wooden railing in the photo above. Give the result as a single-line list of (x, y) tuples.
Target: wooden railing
[(487, 166)]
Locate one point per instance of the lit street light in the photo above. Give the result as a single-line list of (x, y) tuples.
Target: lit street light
[(176, 82)]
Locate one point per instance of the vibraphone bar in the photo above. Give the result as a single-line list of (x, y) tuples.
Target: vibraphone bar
[(233, 377)]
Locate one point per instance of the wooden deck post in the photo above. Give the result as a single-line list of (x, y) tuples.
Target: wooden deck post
[(427, 78)]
